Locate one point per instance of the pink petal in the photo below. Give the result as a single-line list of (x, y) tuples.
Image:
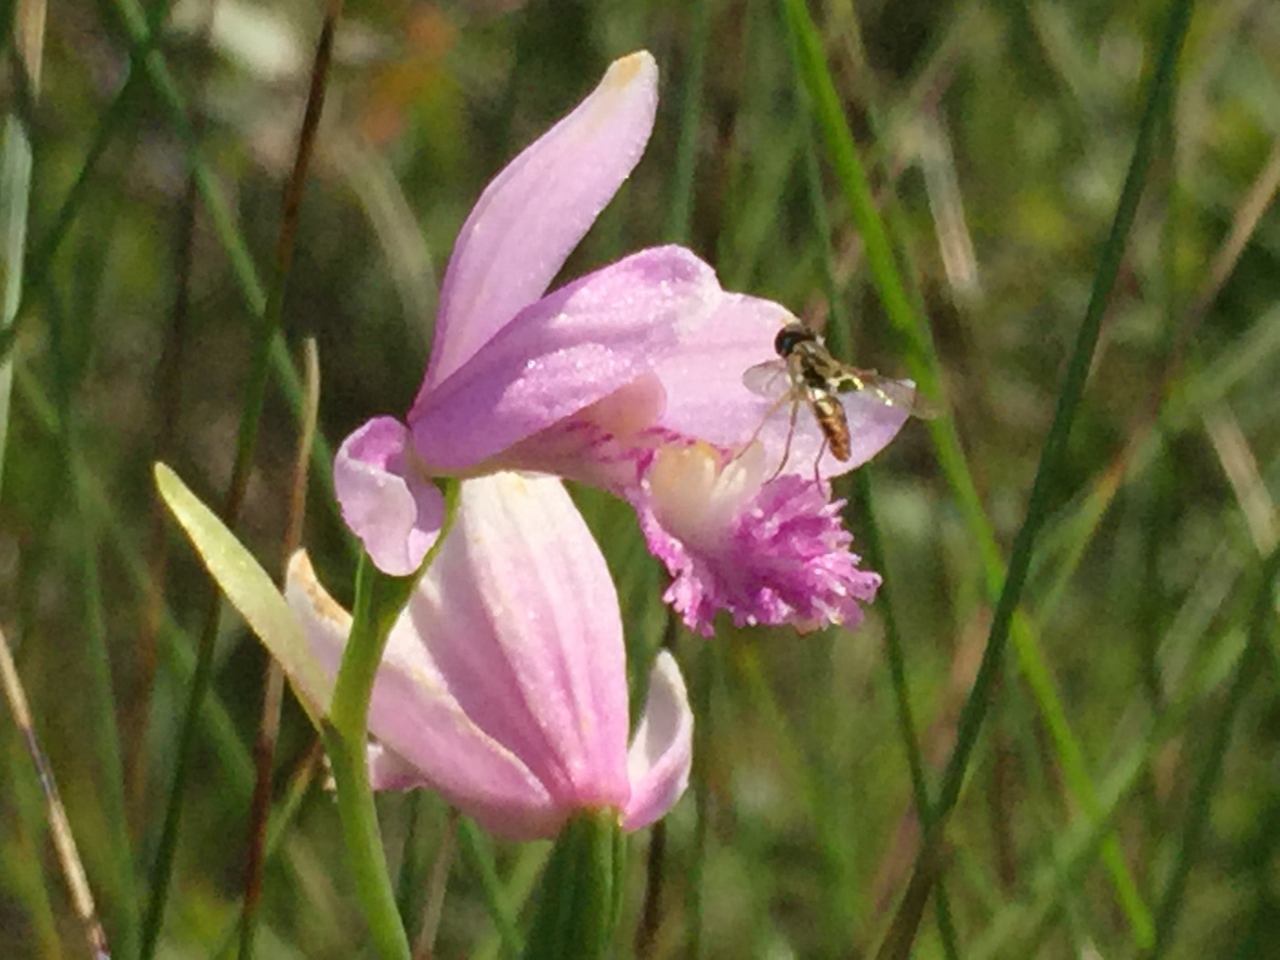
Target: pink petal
[(519, 617), (414, 715), (661, 752), (386, 503), (703, 379), (563, 353), (537, 210), (390, 771)]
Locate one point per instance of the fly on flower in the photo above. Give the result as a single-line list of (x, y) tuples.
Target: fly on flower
[(805, 372)]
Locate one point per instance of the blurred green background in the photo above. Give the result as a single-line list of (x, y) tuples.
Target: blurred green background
[(1133, 739)]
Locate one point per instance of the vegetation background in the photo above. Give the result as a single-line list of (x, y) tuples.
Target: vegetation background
[(1121, 797)]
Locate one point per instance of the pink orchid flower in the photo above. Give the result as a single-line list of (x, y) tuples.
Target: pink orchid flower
[(629, 378), (504, 683)]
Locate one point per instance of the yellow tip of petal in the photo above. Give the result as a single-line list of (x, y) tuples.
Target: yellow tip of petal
[(625, 70)]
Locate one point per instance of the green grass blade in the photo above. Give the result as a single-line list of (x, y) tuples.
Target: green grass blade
[(105, 734), (1262, 634), (908, 321), (680, 212), (15, 189), (1053, 455)]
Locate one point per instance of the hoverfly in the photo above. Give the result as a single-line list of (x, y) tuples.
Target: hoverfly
[(806, 373)]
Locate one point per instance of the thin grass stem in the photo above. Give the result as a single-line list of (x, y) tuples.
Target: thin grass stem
[(267, 331), (64, 842), (264, 748)]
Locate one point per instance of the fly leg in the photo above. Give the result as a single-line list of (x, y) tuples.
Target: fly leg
[(765, 419), (817, 461), (791, 432)]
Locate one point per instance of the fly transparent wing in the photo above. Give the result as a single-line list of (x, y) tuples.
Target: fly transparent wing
[(770, 379), (899, 393), (894, 393)]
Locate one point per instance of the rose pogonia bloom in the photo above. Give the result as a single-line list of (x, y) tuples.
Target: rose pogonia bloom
[(504, 686), (629, 378)]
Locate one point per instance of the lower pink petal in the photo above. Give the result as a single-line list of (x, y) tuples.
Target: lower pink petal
[(394, 511)]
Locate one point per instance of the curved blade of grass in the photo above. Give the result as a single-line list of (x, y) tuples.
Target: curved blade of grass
[(1017, 930), (1053, 456), (906, 319)]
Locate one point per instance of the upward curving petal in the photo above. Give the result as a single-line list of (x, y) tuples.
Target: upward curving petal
[(661, 752), (537, 210)]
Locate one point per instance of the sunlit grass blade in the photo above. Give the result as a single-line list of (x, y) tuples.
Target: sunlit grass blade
[(64, 842), (249, 588)]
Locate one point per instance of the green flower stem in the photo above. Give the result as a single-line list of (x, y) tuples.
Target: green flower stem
[(580, 895), (379, 600)]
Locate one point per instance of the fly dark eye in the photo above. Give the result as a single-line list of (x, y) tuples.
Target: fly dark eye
[(790, 337)]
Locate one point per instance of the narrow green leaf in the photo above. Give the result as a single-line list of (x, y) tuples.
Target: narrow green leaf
[(250, 590)]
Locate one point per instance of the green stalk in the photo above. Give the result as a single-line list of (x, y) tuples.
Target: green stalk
[(378, 602), (581, 891)]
